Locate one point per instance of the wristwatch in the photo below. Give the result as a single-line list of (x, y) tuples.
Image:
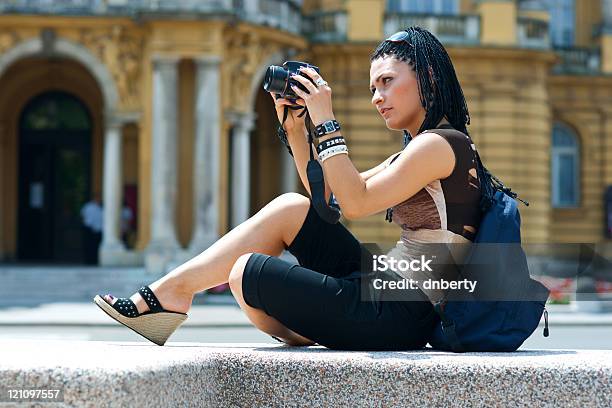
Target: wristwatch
[(327, 127)]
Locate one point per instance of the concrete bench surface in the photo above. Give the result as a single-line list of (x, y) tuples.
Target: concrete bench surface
[(138, 374)]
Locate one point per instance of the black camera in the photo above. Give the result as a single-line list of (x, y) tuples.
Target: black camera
[(278, 79)]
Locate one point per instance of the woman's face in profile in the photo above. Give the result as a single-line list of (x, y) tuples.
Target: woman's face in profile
[(395, 93)]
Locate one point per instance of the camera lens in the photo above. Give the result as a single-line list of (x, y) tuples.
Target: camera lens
[(276, 79)]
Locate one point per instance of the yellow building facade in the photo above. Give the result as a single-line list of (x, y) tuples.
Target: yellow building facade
[(161, 108)]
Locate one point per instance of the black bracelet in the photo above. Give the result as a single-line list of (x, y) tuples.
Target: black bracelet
[(327, 127), (334, 141)]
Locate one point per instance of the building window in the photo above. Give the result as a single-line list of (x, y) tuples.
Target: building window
[(565, 160), (562, 18), (562, 22), (420, 6)]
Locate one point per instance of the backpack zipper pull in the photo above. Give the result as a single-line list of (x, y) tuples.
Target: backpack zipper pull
[(545, 323)]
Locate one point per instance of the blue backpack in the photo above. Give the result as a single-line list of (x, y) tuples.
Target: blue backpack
[(487, 323)]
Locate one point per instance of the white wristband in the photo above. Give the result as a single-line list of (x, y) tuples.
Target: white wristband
[(333, 149), (334, 154)]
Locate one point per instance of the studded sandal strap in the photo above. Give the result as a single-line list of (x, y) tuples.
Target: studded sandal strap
[(126, 307), (150, 299)]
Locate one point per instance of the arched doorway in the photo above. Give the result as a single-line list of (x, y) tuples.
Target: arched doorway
[(55, 132), (266, 167)]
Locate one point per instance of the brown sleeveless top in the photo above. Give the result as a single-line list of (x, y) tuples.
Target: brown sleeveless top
[(447, 204)]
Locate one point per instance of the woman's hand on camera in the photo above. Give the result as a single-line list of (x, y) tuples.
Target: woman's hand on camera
[(292, 123), (318, 98)]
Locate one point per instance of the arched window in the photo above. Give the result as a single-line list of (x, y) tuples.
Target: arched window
[(54, 111), (565, 160)]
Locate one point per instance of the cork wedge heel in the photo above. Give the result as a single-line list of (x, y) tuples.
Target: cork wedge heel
[(156, 325)]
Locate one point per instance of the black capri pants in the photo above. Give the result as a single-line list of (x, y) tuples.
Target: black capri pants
[(321, 298)]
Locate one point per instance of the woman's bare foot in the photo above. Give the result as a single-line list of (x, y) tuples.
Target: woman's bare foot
[(170, 297)]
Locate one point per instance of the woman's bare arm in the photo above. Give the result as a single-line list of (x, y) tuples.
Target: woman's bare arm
[(375, 170), (427, 158)]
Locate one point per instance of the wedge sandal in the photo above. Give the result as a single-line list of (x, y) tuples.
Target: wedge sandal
[(157, 324)]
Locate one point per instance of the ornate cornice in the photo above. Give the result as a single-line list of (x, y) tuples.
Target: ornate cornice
[(121, 50)]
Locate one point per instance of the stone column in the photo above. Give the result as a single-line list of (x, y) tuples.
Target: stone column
[(498, 22), (241, 167), (2, 187), (112, 193), (362, 26), (206, 159), (163, 244)]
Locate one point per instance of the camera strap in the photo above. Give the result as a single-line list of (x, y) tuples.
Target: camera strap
[(314, 173), (316, 180), (281, 133)]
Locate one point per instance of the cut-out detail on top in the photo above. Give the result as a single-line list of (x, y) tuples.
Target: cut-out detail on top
[(473, 178), (469, 228), (446, 204)]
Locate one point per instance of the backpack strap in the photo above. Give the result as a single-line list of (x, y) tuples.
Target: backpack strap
[(448, 328)]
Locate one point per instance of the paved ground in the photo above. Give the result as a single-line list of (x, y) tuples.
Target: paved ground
[(223, 323), (88, 314), (227, 324), (121, 334)]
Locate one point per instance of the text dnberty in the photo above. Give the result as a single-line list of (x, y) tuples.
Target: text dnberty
[(428, 284)]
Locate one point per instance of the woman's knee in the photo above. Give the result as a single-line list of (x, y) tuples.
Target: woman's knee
[(235, 276), (289, 212), (290, 201)]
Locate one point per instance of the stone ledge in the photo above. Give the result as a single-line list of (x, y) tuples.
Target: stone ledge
[(99, 374)]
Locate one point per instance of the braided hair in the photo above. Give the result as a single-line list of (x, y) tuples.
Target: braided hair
[(439, 89), (440, 94)]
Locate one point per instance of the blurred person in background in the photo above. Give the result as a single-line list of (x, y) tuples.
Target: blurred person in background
[(92, 217)]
